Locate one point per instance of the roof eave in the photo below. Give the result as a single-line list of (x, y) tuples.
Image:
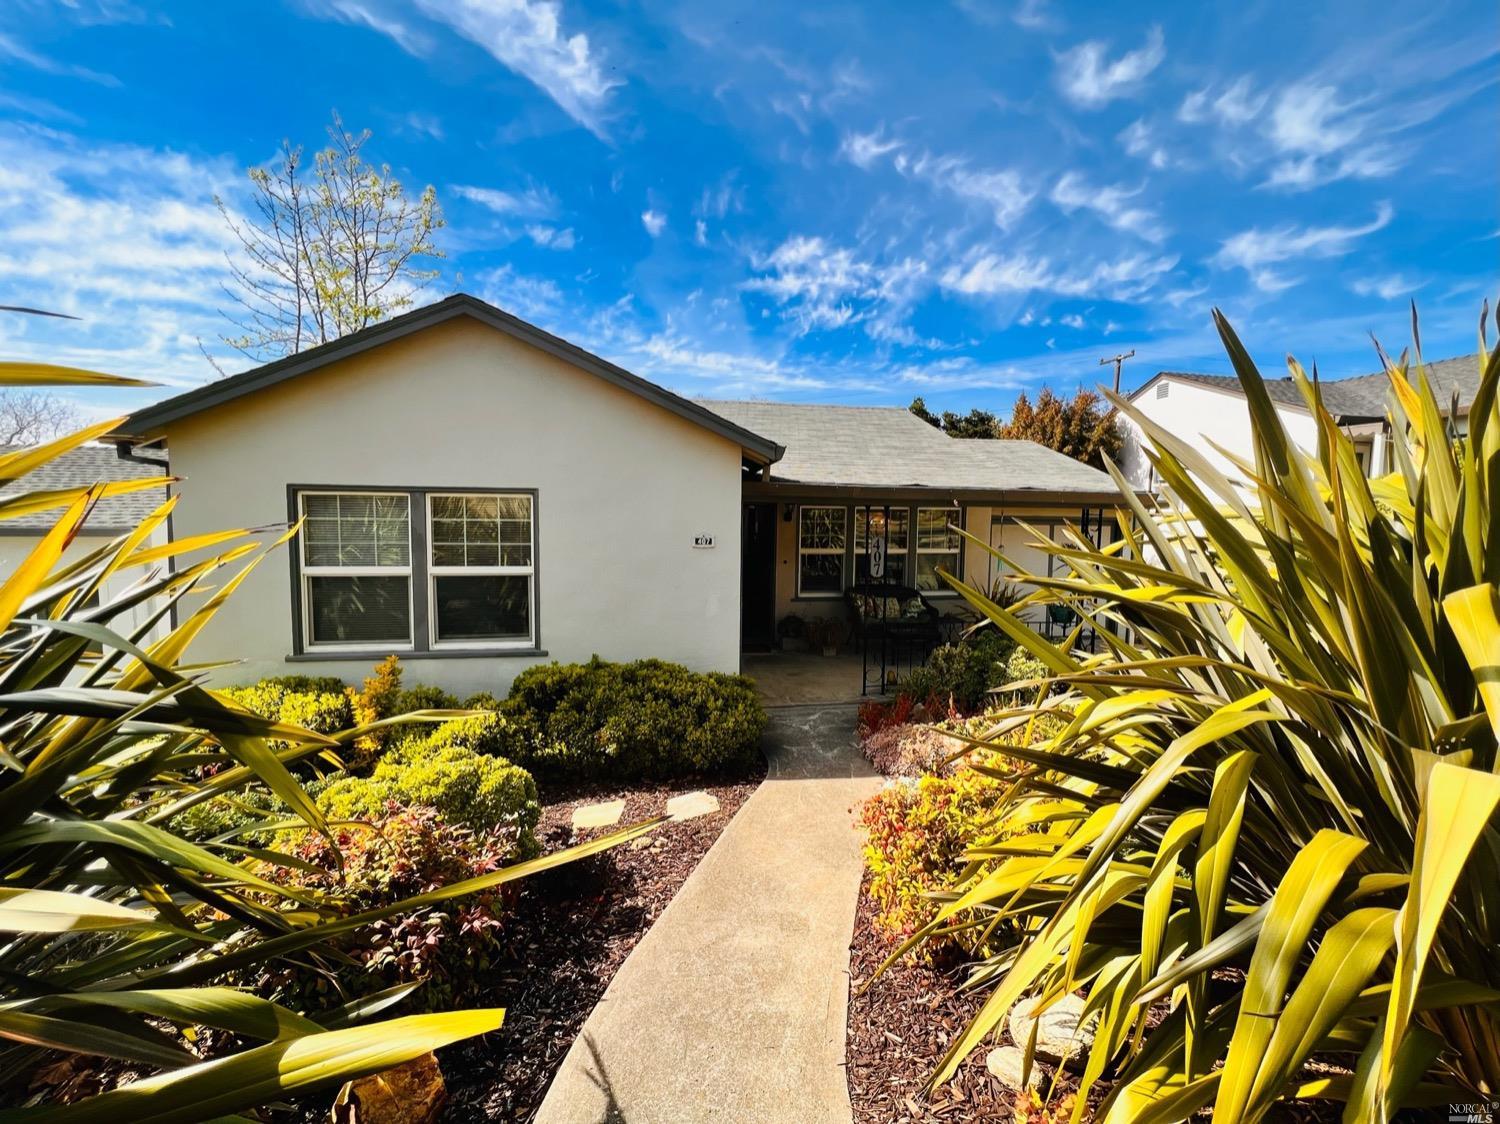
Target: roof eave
[(151, 420)]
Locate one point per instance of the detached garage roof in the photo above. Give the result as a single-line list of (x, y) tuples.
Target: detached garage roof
[(151, 420), (890, 447), (81, 468)]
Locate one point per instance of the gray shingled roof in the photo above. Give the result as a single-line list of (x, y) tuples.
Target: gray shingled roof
[(1360, 396), (889, 447), (83, 466)]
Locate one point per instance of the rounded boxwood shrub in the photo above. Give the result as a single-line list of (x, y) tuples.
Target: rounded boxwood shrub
[(644, 719), (960, 676)]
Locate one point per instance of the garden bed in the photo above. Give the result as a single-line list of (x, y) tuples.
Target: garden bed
[(898, 1031), (571, 930)]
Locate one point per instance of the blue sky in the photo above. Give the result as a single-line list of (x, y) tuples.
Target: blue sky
[(854, 202)]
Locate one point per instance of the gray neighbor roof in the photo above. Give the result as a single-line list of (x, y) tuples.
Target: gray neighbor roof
[(1359, 398), (890, 447), (80, 468)]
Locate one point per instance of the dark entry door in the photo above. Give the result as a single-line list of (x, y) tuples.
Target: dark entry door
[(758, 578)]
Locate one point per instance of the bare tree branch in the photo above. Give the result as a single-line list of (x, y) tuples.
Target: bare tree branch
[(29, 417)]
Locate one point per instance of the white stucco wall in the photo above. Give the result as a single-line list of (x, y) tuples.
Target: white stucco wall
[(1202, 414), (623, 486), (16, 548)]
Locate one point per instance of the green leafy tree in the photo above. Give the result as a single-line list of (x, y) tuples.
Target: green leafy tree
[(327, 254), (1080, 427), (976, 423)]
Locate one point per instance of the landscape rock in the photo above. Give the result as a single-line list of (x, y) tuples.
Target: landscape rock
[(691, 805), (1058, 1033), (1006, 1064), (413, 1093), (587, 817)]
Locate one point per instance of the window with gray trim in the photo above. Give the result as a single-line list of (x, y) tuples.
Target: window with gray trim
[(822, 536), (415, 570), (481, 571), (938, 544)]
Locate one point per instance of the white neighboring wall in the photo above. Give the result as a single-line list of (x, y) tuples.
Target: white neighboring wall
[(623, 487), (1204, 416)]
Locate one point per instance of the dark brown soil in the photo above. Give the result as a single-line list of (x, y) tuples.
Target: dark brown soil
[(572, 929)]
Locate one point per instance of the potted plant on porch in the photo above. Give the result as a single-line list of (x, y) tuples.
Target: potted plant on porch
[(825, 634)]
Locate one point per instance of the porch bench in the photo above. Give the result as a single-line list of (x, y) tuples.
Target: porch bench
[(877, 610)]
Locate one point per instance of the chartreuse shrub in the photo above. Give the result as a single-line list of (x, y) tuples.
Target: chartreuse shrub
[(452, 771), (916, 835), (118, 927), (644, 719), (1264, 842)]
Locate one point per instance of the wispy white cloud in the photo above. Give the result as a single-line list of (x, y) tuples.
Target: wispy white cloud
[(864, 149), (1256, 250), (376, 15), (988, 273), (1035, 15), (1235, 105), (654, 221), (1139, 140), (532, 298), (1113, 204), (999, 190), (125, 237), (1387, 288), (821, 287), (13, 48), (550, 237), (527, 36), (535, 202), (1089, 78)]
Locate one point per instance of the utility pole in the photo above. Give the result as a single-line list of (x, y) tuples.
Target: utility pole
[(1118, 361)]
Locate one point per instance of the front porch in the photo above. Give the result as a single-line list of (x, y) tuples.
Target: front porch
[(802, 678)]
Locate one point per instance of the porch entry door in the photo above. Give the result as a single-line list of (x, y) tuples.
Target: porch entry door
[(758, 578)]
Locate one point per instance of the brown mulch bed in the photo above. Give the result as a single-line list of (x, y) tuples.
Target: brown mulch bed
[(898, 1032), (571, 930), (900, 1029)]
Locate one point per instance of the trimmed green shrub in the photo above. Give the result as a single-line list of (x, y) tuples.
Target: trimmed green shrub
[(960, 676), (423, 697), (644, 719), (231, 813)]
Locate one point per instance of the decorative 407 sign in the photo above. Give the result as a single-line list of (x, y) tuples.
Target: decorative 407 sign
[(876, 555)]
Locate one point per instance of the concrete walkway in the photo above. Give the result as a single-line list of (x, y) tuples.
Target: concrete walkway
[(733, 1006)]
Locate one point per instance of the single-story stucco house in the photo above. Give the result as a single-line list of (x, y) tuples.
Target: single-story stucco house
[(479, 495)]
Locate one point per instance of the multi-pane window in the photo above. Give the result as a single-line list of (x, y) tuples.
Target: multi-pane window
[(356, 569), (482, 569), (368, 582), (821, 538), (939, 545), (892, 522)]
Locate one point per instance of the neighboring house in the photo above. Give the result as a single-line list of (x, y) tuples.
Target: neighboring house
[(112, 516), (479, 495), (1211, 410)]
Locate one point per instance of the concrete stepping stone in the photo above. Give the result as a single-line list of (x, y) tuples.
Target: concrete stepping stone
[(587, 817), (691, 805), (1007, 1063), (1059, 1036)]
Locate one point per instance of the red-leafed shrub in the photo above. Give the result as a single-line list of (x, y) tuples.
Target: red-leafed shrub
[(407, 852)]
